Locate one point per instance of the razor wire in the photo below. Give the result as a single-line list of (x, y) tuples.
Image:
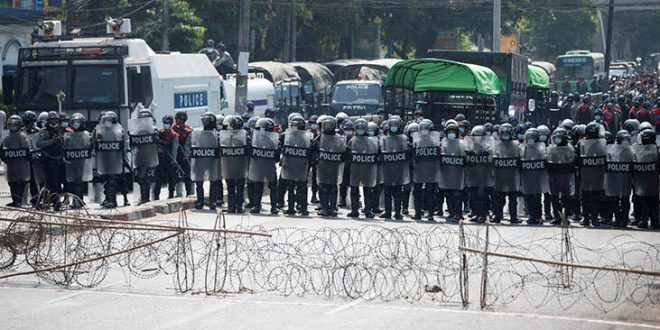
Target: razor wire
[(372, 262)]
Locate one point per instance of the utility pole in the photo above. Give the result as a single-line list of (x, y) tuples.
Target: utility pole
[(497, 24), (608, 44), (286, 50), (293, 31), (165, 44), (243, 57)]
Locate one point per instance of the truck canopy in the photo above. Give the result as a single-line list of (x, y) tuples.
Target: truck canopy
[(366, 70), (319, 74), (276, 72), (432, 74), (537, 77)]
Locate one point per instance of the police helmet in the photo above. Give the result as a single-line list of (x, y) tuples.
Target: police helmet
[(394, 124), (647, 137), (560, 137), (14, 123), (144, 113), (478, 130), (77, 121), (328, 125), (208, 120), (532, 136), (181, 115), (645, 125), (297, 122), (265, 124), (631, 125), (623, 137), (609, 138), (506, 132), (29, 117), (168, 120), (425, 125)]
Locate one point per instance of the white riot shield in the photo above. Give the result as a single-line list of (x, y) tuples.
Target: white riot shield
[(203, 156), (144, 142), (77, 148)]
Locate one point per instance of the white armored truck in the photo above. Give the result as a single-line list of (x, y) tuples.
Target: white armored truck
[(113, 73)]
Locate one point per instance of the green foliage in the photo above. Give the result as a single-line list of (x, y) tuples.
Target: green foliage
[(552, 32), (185, 28)]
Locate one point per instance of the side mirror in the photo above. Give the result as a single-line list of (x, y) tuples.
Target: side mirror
[(531, 105)]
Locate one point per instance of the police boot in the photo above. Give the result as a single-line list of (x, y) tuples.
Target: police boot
[(257, 194), (199, 191), (213, 195), (547, 207), (417, 200), (281, 191), (220, 200), (355, 202), (324, 204), (250, 192), (274, 198), (398, 203), (314, 198), (405, 200), (368, 198), (291, 200), (232, 200), (144, 193), (387, 194), (332, 200), (301, 197), (111, 198)]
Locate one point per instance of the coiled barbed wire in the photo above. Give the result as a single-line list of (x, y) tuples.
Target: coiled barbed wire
[(370, 262)]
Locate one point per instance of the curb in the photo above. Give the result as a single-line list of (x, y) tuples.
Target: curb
[(148, 210)]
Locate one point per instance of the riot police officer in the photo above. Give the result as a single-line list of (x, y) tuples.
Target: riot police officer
[(77, 157), (234, 143), (373, 130), (479, 168), (452, 170), (220, 187), (144, 144), (426, 157), (184, 132), (395, 157), (347, 128), (296, 156), (533, 174), (544, 138), (330, 165), (645, 179), (168, 147), (618, 178), (313, 128), (592, 161), (203, 160), (561, 172), (264, 154), (363, 150), (109, 143), (15, 152), (50, 143), (38, 176), (506, 159)]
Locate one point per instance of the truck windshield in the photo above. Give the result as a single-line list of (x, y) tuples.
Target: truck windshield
[(357, 94), (95, 84), (40, 84), (285, 94)]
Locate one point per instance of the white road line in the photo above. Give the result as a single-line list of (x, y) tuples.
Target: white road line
[(368, 306), (82, 292), (344, 307)]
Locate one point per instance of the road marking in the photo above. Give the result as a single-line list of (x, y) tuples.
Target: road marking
[(368, 306), (344, 307)]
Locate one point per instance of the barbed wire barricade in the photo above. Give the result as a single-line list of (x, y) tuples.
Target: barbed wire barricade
[(372, 262)]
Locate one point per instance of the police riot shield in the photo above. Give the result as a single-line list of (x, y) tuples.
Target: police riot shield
[(561, 170), (233, 154), (203, 156), (330, 166), (593, 154), (16, 153), (143, 141), (36, 158), (396, 165), (295, 155), (479, 161), (533, 173), (506, 159), (618, 174), (645, 170), (363, 159), (426, 157), (109, 146), (452, 164), (264, 155), (77, 148)]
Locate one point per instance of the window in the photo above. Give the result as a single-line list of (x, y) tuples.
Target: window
[(40, 84), (139, 86), (95, 84)]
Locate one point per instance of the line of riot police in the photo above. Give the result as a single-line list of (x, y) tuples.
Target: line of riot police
[(581, 169)]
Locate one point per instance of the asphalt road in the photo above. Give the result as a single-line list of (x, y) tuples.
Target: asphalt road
[(125, 302)]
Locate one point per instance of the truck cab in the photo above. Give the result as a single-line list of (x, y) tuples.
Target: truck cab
[(357, 97), (113, 73)]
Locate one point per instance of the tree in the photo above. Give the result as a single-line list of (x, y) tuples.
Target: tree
[(555, 26), (186, 31)]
